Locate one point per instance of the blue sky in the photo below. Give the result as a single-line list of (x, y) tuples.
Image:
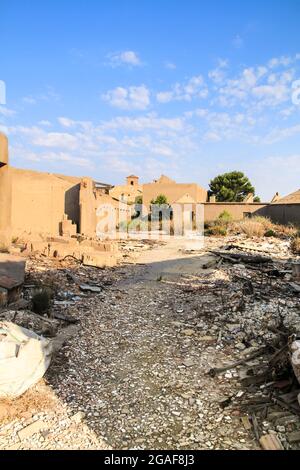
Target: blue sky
[(185, 88)]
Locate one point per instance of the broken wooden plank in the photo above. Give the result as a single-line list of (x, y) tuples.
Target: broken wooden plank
[(251, 259), (293, 437), (271, 442), (63, 317), (217, 370), (255, 426)]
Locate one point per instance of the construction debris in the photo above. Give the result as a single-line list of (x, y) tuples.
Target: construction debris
[(270, 442), (12, 273)]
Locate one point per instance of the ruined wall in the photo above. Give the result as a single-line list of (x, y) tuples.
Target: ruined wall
[(5, 193), (173, 192), (40, 200), (236, 209), (282, 213), (87, 203)]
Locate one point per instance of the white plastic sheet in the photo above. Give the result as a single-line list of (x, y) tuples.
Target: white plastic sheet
[(295, 360), (24, 359)]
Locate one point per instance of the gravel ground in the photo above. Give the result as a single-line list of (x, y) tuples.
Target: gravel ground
[(140, 375)]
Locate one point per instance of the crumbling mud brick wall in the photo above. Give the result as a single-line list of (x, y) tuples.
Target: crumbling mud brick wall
[(40, 200)]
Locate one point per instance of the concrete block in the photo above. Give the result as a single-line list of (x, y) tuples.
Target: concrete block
[(68, 229), (30, 430), (99, 260)]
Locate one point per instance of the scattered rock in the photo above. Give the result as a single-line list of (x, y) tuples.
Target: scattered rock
[(30, 430)]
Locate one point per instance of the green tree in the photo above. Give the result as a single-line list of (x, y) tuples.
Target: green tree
[(160, 200), (139, 200), (231, 187)]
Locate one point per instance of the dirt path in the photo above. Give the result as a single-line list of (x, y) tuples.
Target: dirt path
[(137, 372)]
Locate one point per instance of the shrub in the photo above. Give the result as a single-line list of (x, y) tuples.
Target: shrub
[(295, 245), (4, 248), (258, 226), (224, 218), (41, 301), (160, 200), (251, 228), (217, 230), (270, 233), (264, 221)]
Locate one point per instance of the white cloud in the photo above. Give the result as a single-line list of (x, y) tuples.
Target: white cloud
[(45, 123), (278, 134), (144, 123), (125, 58), (218, 74), (6, 112), (257, 87), (170, 65), (271, 94), (39, 137), (66, 122), (119, 144), (277, 61), (134, 97), (56, 139), (48, 95), (29, 100), (165, 96), (195, 87)]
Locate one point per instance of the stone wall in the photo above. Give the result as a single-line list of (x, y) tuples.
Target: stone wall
[(282, 213)]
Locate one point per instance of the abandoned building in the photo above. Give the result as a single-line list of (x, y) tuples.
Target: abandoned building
[(191, 194), (129, 192), (55, 214), (284, 210), (35, 204)]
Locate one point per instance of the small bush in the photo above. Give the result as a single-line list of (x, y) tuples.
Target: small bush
[(41, 301), (4, 248), (251, 228), (217, 230), (270, 233), (224, 218), (295, 245)]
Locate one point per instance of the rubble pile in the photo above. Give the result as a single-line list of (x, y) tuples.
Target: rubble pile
[(248, 302)]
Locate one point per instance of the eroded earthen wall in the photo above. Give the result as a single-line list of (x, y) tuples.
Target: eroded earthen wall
[(40, 200)]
